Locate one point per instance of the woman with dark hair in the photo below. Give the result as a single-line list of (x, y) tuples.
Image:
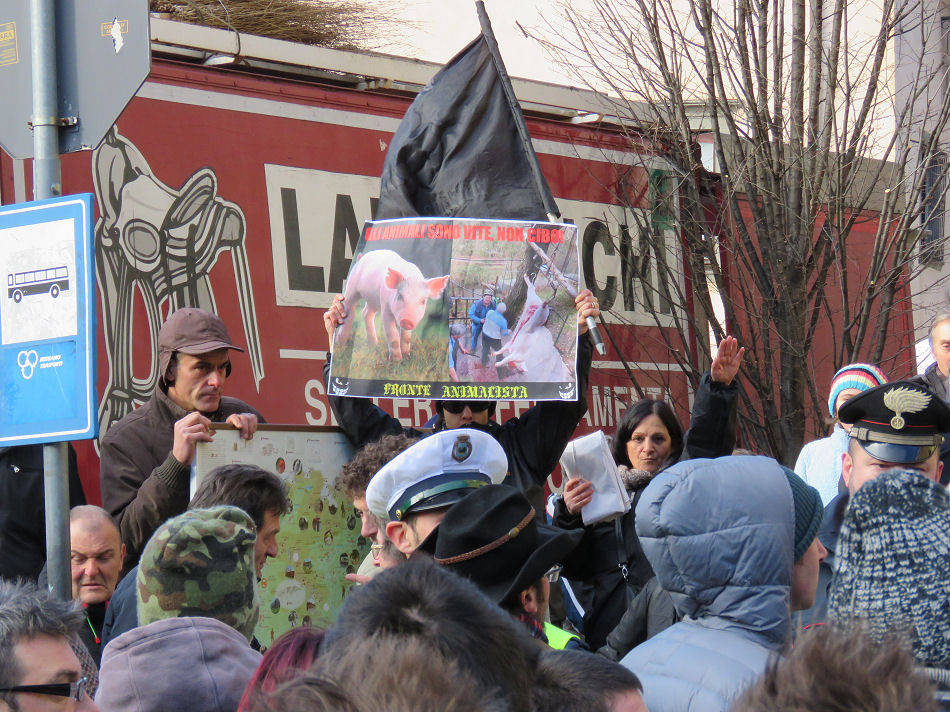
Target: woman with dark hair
[(629, 445), (290, 656), (648, 439)]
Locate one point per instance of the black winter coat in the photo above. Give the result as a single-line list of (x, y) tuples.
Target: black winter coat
[(533, 442), (712, 433), (22, 513)]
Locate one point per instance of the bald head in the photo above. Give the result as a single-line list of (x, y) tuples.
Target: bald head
[(92, 516), (96, 554)]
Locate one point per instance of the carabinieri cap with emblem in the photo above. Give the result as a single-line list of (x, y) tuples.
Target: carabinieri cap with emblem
[(899, 422), (435, 473)]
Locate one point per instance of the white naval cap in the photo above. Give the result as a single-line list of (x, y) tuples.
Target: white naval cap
[(436, 472)]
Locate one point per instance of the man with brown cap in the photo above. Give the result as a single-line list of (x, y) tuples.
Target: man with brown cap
[(146, 456)]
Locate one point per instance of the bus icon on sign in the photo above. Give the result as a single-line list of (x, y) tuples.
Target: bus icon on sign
[(39, 281)]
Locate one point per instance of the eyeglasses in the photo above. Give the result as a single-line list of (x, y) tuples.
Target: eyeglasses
[(75, 690), (554, 573), (456, 407)]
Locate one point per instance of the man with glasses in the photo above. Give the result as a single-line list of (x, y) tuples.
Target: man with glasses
[(38, 669), (532, 442)]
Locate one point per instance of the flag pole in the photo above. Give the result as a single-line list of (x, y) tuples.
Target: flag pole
[(550, 207)]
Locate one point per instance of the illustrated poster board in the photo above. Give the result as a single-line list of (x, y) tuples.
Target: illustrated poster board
[(319, 540), (413, 282)]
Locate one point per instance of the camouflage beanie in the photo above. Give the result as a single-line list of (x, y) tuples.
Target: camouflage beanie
[(201, 563)]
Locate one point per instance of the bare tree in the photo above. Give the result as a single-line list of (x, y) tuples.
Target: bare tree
[(802, 228)]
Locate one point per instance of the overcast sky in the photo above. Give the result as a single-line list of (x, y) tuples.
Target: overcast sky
[(443, 27)]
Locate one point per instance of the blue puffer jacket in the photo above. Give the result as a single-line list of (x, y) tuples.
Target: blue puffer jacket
[(720, 537)]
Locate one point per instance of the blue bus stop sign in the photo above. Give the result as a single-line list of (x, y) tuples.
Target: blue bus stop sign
[(47, 322)]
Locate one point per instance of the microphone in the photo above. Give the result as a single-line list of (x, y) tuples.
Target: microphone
[(595, 336)]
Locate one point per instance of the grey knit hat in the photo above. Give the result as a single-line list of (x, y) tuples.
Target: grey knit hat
[(893, 563)]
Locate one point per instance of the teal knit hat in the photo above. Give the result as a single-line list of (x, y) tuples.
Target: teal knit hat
[(808, 512), (201, 563)]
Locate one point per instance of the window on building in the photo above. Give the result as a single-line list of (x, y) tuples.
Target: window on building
[(934, 208)]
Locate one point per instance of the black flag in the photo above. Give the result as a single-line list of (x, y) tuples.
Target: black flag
[(462, 149)]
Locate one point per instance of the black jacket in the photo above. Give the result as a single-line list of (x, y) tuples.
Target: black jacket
[(533, 442), (122, 615), (712, 433), (22, 514)]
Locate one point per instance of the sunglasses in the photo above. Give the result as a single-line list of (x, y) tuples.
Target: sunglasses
[(456, 407), (75, 690)]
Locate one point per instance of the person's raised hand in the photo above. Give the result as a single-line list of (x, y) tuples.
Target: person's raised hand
[(727, 362), (578, 493), (189, 431)]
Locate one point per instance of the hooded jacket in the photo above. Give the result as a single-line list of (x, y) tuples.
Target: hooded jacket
[(198, 664), (720, 537)]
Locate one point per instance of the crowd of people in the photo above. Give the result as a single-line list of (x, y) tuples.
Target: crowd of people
[(732, 583)]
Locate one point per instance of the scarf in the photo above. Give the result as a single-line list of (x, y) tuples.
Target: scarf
[(632, 479)]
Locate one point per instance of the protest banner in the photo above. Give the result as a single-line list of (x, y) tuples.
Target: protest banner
[(426, 311)]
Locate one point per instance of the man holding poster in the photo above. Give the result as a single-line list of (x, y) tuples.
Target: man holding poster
[(463, 209), (532, 442)]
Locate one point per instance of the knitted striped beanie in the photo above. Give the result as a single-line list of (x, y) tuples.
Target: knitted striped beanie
[(862, 376)]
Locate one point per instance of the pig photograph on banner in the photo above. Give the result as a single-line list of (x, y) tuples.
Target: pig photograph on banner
[(454, 308)]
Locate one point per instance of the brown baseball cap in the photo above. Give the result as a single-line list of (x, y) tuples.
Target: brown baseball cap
[(191, 331)]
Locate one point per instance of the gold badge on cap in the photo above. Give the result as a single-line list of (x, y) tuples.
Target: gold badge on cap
[(904, 400), (462, 448)]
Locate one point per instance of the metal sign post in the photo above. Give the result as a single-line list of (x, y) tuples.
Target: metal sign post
[(47, 182), (102, 57)]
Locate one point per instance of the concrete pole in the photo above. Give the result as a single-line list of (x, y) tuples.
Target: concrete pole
[(47, 183)]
